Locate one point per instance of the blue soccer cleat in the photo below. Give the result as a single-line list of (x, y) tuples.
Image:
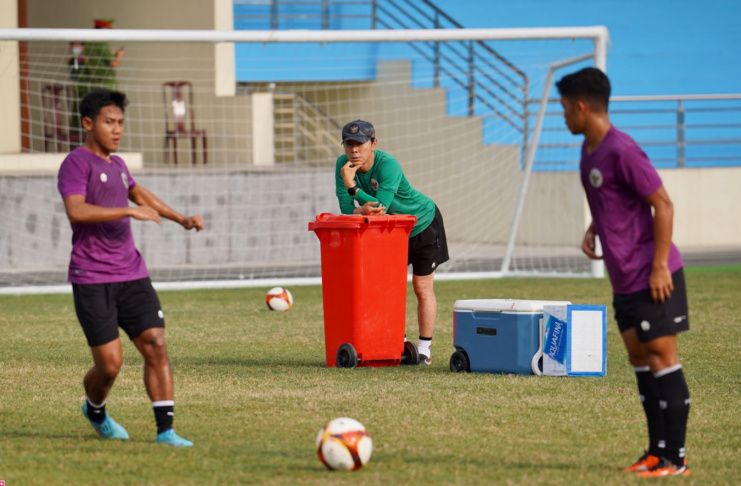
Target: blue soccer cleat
[(108, 429), (169, 437)]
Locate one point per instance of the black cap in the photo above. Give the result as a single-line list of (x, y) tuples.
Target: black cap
[(358, 130)]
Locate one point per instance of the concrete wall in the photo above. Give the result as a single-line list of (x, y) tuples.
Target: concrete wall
[(706, 203), (256, 220), (551, 213), (132, 14), (48, 162), (706, 206), (10, 127), (256, 224)]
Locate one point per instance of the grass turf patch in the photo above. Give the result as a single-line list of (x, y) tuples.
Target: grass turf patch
[(252, 391)]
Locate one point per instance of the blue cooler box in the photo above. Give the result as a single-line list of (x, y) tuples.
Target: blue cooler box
[(498, 335)]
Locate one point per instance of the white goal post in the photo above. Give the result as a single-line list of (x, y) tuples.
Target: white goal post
[(598, 34), (465, 128)]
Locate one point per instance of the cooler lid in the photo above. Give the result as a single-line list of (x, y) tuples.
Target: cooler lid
[(506, 305)]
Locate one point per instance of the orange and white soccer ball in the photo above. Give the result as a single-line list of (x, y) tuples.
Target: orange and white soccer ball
[(344, 445), (279, 299)]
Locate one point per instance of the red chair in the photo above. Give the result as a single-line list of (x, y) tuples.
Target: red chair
[(180, 120), (59, 105)]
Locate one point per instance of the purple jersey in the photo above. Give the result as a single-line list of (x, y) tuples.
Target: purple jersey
[(101, 252), (617, 177)]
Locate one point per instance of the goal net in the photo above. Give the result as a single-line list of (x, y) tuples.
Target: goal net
[(253, 152)]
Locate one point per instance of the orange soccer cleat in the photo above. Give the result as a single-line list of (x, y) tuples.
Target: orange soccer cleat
[(644, 463), (665, 468)]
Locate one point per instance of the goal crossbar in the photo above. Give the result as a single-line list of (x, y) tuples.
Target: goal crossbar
[(598, 33)]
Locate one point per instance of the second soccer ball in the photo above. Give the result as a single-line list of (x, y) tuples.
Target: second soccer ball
[(279, 299)]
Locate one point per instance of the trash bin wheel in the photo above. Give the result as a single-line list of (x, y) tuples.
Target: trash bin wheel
[(410, 356), (459, 361), (347, 357)]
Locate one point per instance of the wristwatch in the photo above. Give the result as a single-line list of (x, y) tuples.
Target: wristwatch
[(353, 190)]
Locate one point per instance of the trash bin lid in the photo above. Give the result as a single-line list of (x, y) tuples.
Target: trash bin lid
[(511, 306), (356, 221)]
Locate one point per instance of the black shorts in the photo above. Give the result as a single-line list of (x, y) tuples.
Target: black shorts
[(652, 320), (102, 308), (429, 249)]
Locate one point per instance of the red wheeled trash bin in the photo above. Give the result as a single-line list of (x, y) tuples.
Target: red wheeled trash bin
[(364, 287)]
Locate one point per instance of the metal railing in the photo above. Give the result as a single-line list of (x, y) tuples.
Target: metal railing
[(675, 131), (317, 137), (492, 84), (304, 133), (298, 14), (491, 81)]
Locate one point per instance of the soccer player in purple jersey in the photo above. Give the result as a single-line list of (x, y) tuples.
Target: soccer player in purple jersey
[(110, 282), (645, 267)]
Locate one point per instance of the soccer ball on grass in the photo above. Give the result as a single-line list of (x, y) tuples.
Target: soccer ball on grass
[(279, 299), (344, 445)]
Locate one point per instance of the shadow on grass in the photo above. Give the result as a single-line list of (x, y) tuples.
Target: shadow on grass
[(82, 436), (38, 434), (438, 460), (272, 362), (247, 362)]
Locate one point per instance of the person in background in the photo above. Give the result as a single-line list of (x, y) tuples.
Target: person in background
[(100, 63), (76, 60), (74, 66), (374, 179)]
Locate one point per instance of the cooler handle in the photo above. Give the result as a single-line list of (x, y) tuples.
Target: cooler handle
[(539, 353)]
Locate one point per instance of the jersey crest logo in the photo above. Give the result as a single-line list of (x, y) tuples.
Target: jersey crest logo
[(103, 177), (374, 184), (595, 178), (125, 180)]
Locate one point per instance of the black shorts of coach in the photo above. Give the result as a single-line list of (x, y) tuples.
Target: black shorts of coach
[(102, 308), (650, 319), (429, 249)]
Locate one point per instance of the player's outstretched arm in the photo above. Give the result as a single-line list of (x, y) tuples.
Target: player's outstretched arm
[(80, 212), (146, 198)]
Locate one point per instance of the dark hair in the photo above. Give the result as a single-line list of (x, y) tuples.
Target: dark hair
[(97, 99), (589, 84)]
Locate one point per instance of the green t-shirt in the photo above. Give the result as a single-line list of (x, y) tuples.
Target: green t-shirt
[(97, 71), (385, 183)]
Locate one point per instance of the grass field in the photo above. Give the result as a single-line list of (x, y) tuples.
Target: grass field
[(252, 391)]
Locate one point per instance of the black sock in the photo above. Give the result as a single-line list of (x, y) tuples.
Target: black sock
[(96, 413), (649, 394), (164, 414), (674, 399)]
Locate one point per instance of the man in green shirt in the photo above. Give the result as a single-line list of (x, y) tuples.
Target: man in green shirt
[(99, 63), (375, 180)]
